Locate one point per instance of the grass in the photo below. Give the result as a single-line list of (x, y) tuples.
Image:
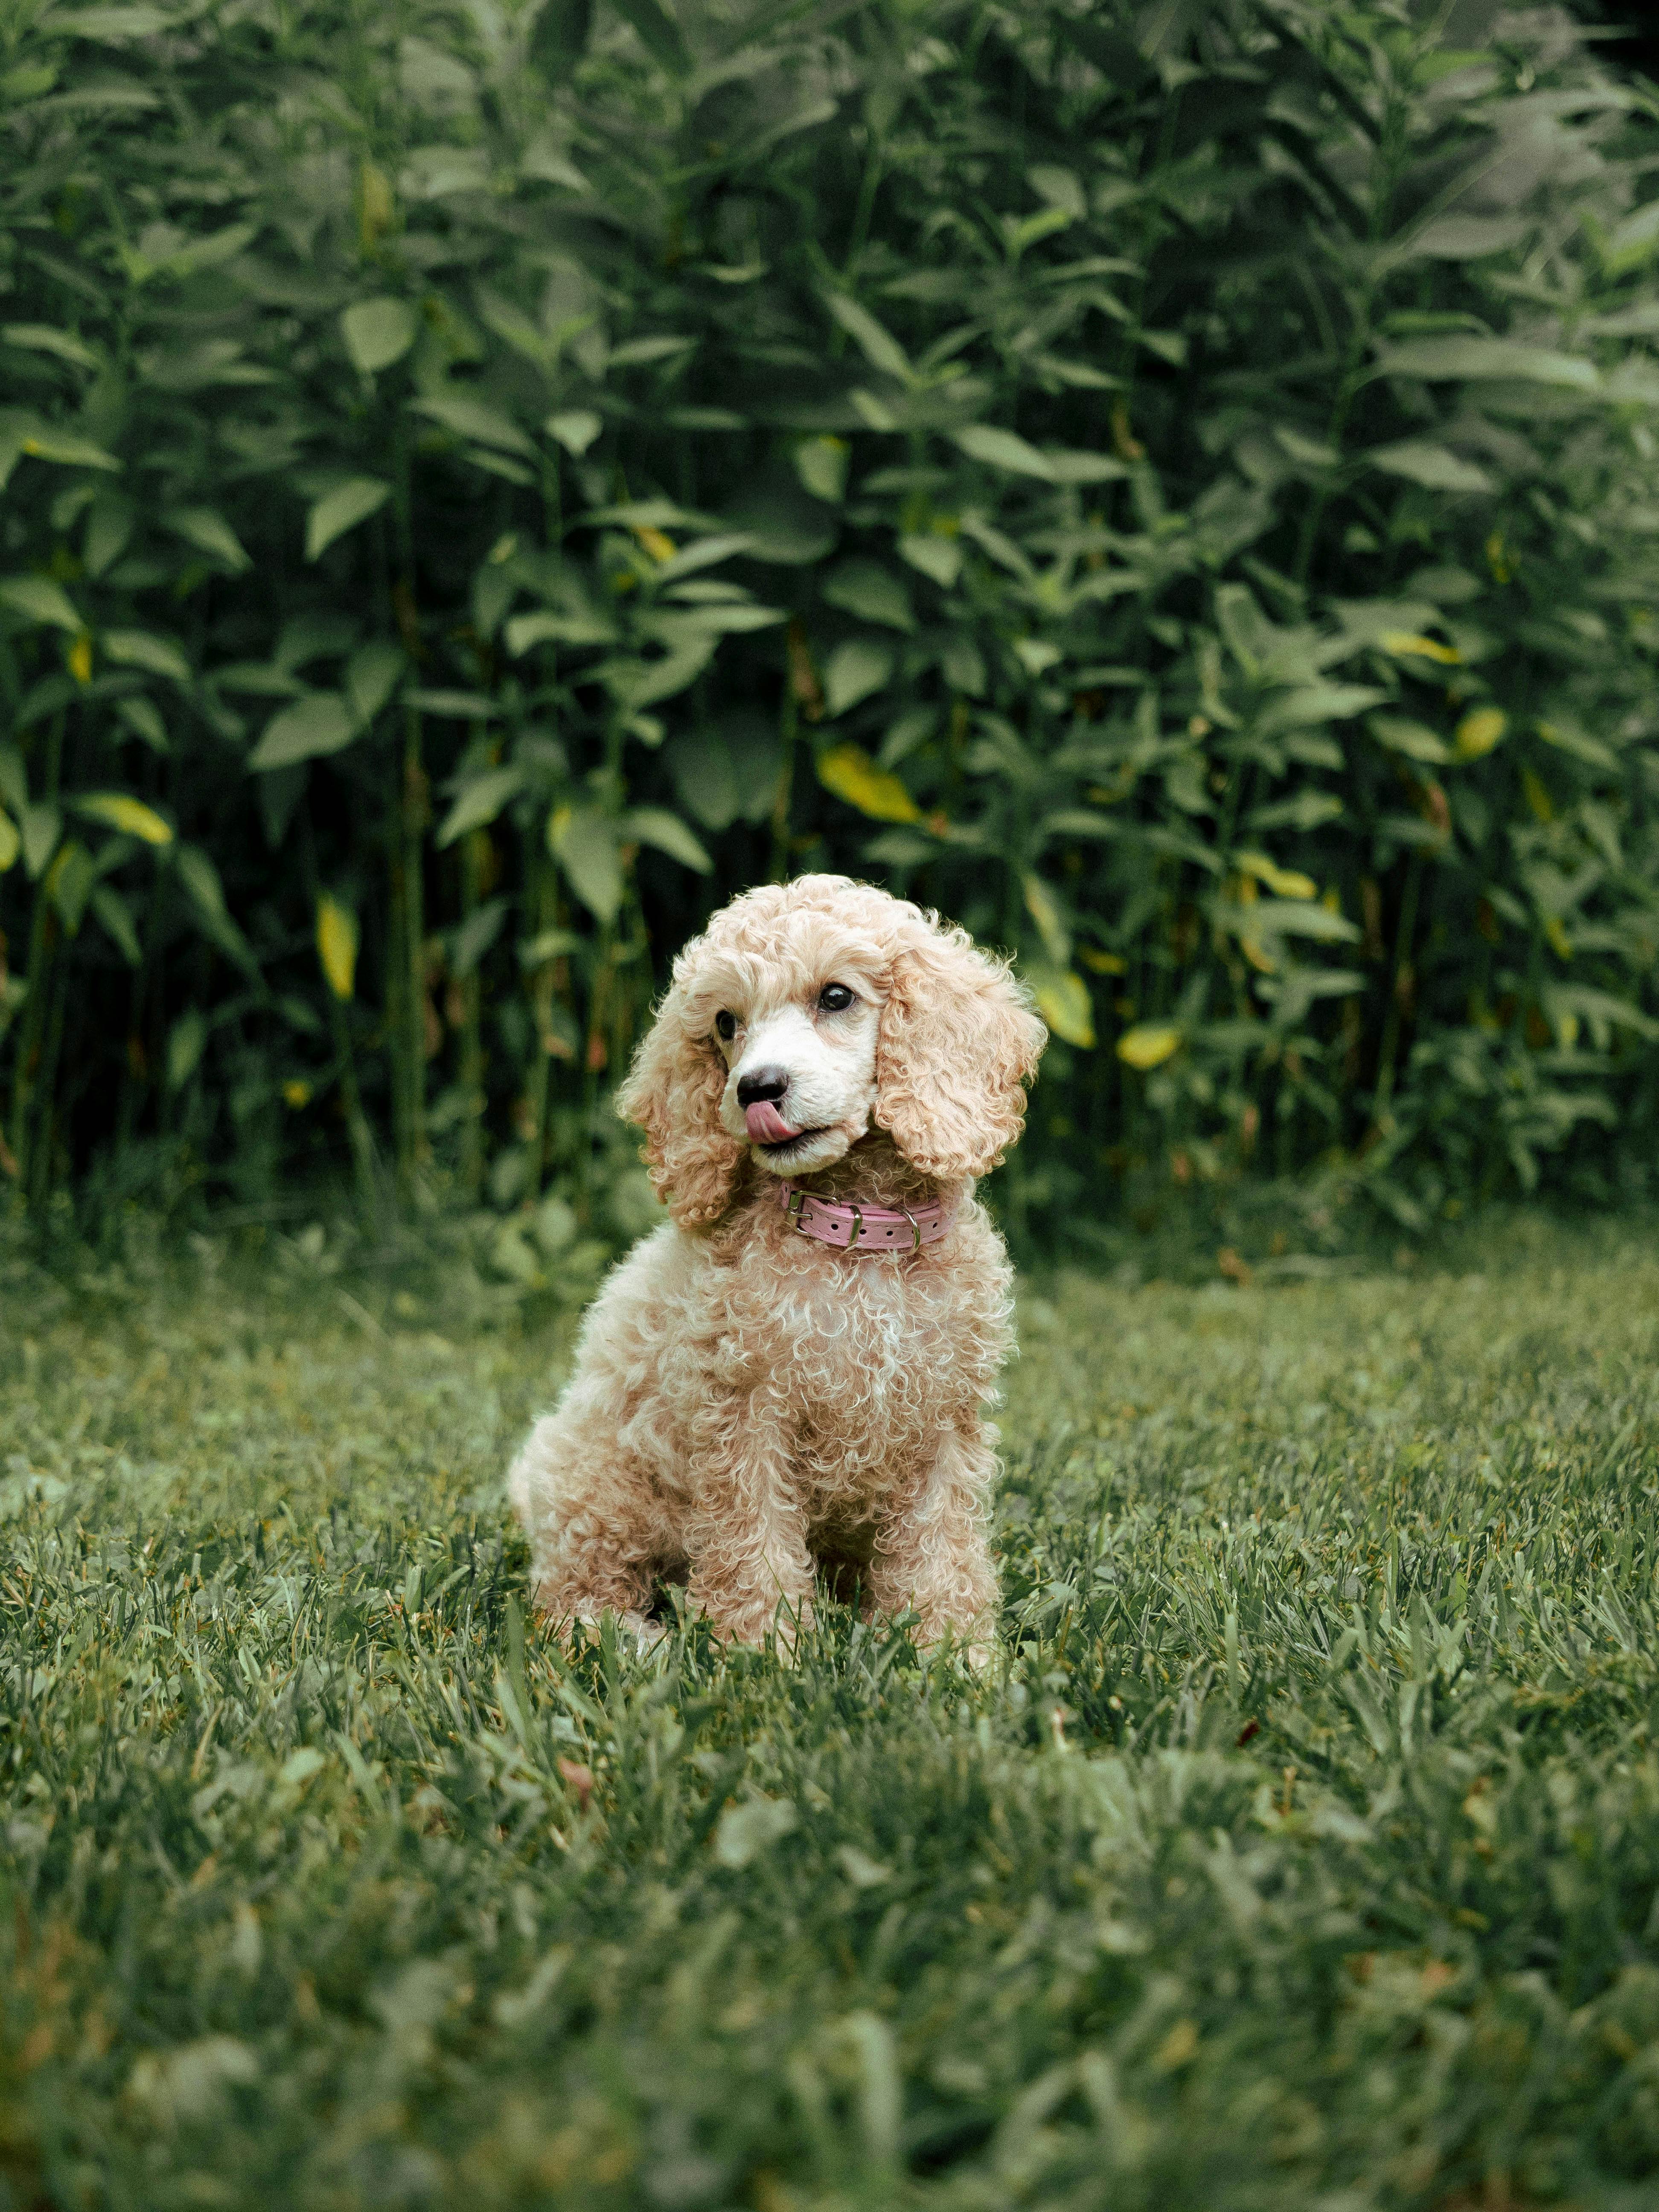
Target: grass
[(1304, 1853)]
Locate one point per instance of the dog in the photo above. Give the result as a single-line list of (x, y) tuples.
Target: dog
[(790, 1373)]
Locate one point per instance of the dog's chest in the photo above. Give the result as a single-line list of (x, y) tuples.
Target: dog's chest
[(876, 1360)]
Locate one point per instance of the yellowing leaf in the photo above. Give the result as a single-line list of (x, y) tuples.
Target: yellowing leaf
[(1537, 797), (78, 659), (297, 1095), (130, 816), (1283, 882), (849, 772), (10, 843), (1043, 909), (1149, 1044), (1103, 963), (1560, 943), (657, 543), (1406, 644), (1062, 1000), (1179, 2045), (1477, 733), (337, 945)]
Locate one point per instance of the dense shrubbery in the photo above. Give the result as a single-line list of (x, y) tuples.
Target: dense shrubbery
[(1176, 488)]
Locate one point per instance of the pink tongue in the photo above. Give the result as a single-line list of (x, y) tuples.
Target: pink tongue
[(766, 1125)]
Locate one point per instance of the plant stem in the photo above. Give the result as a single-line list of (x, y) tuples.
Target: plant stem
[(40, 1145), (364, 1166), (788, 732), (42, 937), (540, 888), (471, 1068), (1403, 947), (414, 815)]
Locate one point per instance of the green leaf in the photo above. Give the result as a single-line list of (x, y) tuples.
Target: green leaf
[(1003, 449), (41, 337), (584, 843), (1310, 704), (880, 349), (141, 717), (853, 670), (41, 826), (476, 935), (937, 557), (1634, 241), (198, 876), (475, 419), (656, 826), (658, 34), (454, 706), (703, 553), (11, 843), (544, 628), (377, 333), (821, 465), (1429, 465), (1401, 735), (372, 674), (110, 521), (41, 601), (343, 509), (1298, 918), (68, 883), (310, 729), (1471, 359), (143, 648), (871, 593), (1073, 468), (636, 683), (576, 429), (116, 915), (206, 529), (480, 801), (187, 1040)]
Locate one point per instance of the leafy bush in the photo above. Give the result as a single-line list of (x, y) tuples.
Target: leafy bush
[(1176, 490)]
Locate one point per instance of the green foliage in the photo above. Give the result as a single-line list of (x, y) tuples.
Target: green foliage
[(1302, 1848), (1176, 490)]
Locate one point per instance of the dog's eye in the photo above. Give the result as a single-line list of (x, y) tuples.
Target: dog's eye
[(834, 998), (725, 1026)]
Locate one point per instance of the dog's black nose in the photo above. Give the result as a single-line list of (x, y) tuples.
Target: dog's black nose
[(762, 1083)]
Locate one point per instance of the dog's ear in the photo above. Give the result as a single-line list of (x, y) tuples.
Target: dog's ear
[(957, 1046), (674, 1092)]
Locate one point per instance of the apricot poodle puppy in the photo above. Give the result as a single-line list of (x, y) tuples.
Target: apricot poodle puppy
[(790, 1374)]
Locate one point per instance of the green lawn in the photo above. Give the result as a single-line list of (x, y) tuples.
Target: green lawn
[(1304, 1850)]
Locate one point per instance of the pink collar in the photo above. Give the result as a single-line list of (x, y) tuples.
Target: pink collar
[(868, 1228)]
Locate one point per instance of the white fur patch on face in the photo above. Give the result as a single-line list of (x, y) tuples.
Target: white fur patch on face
[(825, 1059)]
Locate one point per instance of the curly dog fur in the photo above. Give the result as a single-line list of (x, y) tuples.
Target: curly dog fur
[(749, 1404)]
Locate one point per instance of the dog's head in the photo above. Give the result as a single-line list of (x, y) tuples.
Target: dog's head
[(809, 1012)]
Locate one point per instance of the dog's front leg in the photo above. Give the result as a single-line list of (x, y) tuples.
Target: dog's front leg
[(931, 1556), (750, 1571)]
